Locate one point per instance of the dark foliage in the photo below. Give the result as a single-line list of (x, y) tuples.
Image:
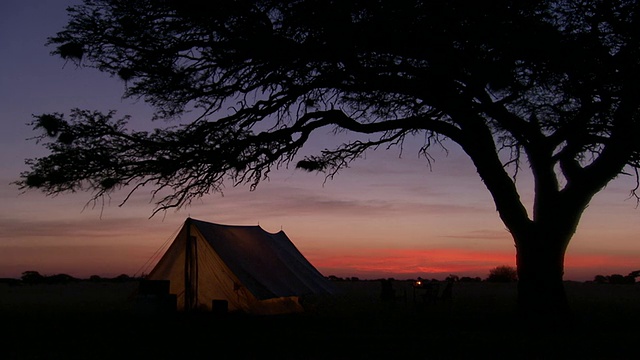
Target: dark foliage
[(31, 277), (547, 79), (452, 278), (60, 279), (34, 277), (617, 278), (503, 273)]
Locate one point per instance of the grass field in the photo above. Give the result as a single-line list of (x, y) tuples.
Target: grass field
[(98, 321)]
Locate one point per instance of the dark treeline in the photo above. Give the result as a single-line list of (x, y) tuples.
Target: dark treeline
[(617, 278), (34, 277), (502, 274), (505, 274)]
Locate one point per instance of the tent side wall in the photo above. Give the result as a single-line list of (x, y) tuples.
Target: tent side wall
[(310, 279), (217, 282)]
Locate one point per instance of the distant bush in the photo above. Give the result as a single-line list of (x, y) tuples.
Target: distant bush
[(32, 277), (600, 279), (617, 278), (59, 279), (503, 273), (452, 278), (122, 278), (10, 281)]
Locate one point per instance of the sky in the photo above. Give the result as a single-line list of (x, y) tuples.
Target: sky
[(388, 215)]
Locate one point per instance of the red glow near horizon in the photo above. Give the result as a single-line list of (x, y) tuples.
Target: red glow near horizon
[(407, 263), (439, 263), (83, 261)]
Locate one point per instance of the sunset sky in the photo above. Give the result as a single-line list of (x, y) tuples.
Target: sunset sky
[(386, 216)]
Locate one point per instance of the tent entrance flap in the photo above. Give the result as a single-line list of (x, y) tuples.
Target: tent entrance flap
[(190, 270)]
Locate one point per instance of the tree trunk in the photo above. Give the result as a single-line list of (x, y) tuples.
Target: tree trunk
[(541, 293)]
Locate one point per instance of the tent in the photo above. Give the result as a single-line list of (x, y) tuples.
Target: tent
[(245, 268)]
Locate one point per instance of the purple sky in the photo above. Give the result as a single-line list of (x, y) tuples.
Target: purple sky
[(386, 216)]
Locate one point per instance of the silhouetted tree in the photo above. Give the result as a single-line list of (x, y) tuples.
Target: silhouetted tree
[(503, 273), (621, 279), (616, 278), (452, 278), (600, 279), (546, 86), (122, 278), (31, 277)]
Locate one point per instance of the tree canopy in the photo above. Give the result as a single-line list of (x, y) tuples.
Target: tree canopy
[(549, 86), (553, 80)]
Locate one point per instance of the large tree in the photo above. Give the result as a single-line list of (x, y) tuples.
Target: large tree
[(549, 87)]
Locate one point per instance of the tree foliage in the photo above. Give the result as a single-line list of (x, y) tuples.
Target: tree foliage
[(553, 80), (31, 277), (503, 273), (617, 278)]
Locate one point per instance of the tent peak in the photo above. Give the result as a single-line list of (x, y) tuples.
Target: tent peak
[(229, 226)]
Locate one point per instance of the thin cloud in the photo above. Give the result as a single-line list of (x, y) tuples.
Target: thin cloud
[(12, 228), (483, 234), (411, 262), (294, 201)]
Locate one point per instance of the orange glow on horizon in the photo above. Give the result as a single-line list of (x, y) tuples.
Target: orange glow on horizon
[(108, 260), (439, 263), (410, 263)]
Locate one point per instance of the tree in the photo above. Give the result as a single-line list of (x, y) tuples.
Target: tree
[(59, 279), (452, 278), (31, 277), (545, 86), (617, 278), (503, 273), (600, 279), (122, 278)]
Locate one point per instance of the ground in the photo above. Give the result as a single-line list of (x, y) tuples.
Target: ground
[(99, 321)]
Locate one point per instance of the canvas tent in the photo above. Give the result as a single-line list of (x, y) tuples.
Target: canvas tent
[(244, 267)]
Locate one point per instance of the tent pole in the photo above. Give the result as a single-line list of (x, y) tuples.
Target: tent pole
[(190, 269)]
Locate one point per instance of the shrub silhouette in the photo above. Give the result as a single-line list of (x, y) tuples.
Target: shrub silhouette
[(31, 277), (503, 273), (59, 279), (616, 278)]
